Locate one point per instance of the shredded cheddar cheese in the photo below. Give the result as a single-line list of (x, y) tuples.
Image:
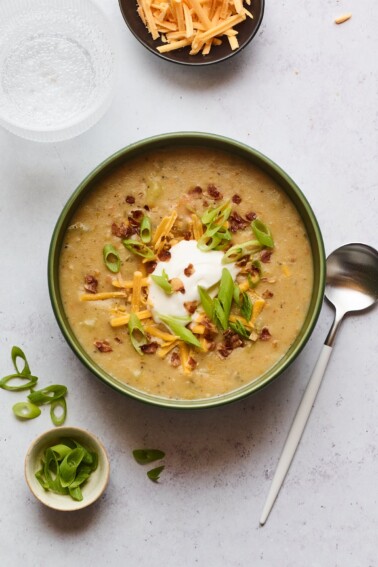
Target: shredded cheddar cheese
[(124, 319)]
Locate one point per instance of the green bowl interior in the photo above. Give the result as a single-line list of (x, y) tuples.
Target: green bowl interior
[(215, 142)]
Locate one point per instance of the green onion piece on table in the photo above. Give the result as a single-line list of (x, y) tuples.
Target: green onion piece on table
[(262, 233), (177, 326), (162, 281), (30, 382), (47, 395), (26, 410), (146, 456), (238, 251), (111, 258), (139, 248), (145, 230), (137, 333), (19, 353), (154, 474), (206, 302), (58, 404)]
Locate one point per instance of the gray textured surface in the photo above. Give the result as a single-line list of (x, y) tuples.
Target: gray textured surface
[(304, 93)]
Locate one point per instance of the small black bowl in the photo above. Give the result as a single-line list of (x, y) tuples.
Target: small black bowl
[(247, 30)]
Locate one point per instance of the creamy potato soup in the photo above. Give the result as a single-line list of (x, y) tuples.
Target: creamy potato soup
[(186, 273)]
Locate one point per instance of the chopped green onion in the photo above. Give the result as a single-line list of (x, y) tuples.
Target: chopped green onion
[(177, 326), (69, 465), (58, 404), (26, 410), (206, 302), (47, 395), (226, 291), (262, 233), (139, 248), (162, 281), (76, 493), (19, 353), (219, 317), (236, 294), (30, 382), (219, 215), (206, 243), (145, 230), (61, 450), (240, 329), (111, 258), (146, 456), (154, 474), (238, 251), (137, 333), (246, 306)]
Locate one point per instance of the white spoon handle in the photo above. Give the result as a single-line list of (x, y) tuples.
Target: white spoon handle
[(296, 430)]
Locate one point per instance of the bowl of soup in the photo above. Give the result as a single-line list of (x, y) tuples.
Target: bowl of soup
[(187, 270)]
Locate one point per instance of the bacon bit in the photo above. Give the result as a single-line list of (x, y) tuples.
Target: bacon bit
[(149, 348), (192, 363), (103, 346), (189, 270), (175, 359), (214, 193), (191, 306), (90, 284), (130, 199), (177, 285), (237, 222), (265, 256), (243, 262), (150, 266), (122, 231), (137, 215), (197, 191), (265, 334), (223, 351), (232, 340), (146, 208), (187, 235), (210, 345), (251, 216), (236, 199), (267, 294), (118, 340), (164, 256)]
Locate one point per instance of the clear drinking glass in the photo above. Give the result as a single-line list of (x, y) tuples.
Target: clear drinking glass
[(57, 67)]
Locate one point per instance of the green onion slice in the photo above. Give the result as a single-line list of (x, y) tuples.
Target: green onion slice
[(246, 306), (219, 215), (238, 251), (139, 248), (111, 258), (76, 493), (236, 294), (61, 450), (154, 474), (146, 456), (162, 281), (226, 291), (220, 318), (26, 410), (19, 353), (262, 233), (207, 302), (47, 395), (240, 329), (137, 333), (59, 404), (177, 326), (207, 243), (30, 382), (69, 465), (145, 230)]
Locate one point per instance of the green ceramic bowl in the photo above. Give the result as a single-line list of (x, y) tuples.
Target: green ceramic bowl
[(209, 141)]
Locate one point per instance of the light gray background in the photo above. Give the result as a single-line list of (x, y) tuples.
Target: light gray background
[(305, 94)]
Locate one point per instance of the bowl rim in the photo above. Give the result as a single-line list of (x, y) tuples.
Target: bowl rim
[(65, 431), (197, 62), (214, 141)]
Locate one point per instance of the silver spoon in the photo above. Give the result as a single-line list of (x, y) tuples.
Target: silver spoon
[(351, 285)]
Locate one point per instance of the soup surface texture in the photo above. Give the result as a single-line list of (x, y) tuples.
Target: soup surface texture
[(180, 203)]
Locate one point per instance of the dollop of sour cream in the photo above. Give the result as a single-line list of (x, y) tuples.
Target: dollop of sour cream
[(207, 271)]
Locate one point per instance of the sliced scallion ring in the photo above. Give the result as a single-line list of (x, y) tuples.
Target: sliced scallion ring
[(178, 328), (26, 410), (59, 404), (146, 456), (145, 230), (206, 302), (111, 258), (139, 248), (47, 395), (238, 251), (30, 382), (162, 281), (137, 333), (262, 233), (154, 474), (19, 353)]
